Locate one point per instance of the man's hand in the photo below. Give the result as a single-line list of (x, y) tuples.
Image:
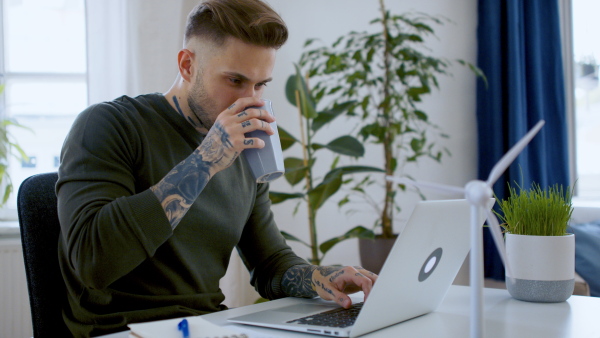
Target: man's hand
[(178, 190), (336, 283), (329, 282), (226, 140)]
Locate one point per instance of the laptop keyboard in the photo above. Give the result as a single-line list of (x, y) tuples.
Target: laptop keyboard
[(334, 318)]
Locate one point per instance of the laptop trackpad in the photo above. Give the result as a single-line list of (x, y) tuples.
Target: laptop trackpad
[(282, 314), (306, 308)]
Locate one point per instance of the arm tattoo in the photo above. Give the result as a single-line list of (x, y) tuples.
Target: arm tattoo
[(182, 185), (178, 190), (297, 281)]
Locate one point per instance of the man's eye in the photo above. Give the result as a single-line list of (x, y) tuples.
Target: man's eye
[(235, 81), (264, 84)]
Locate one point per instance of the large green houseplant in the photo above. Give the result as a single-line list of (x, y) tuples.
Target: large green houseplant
[(314, 188), (384, 76)]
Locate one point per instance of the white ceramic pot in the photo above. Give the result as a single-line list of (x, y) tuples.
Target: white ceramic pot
[(542, 267)]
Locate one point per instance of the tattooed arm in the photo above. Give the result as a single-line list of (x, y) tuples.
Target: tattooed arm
[(178, 190), (328, 282)]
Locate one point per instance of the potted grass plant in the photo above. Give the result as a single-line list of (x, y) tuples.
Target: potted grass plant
[(540, 252)]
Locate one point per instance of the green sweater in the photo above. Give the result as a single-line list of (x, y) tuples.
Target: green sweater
[(120, 259)]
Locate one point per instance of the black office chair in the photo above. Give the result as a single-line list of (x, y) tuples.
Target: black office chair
[(38, 220)]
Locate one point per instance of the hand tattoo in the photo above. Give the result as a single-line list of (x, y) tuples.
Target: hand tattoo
[(215, 145), (297, 281), (328, 270), (336, 275)]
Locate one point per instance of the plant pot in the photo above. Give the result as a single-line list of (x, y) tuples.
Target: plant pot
[(542, 267), (374, 252)]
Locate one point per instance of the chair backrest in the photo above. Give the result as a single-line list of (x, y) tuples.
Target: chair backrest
[(40, 229)]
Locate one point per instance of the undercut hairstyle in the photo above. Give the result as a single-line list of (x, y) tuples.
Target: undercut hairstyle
[(251, 21)]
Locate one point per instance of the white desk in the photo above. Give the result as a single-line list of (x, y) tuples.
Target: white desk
[(578, 317)]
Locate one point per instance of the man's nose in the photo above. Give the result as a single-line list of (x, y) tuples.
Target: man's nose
[(251, 92)]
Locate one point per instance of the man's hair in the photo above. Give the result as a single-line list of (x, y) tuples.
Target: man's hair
[(251, 21)]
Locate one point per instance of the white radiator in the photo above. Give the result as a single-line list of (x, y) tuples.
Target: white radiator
[(15, 318)]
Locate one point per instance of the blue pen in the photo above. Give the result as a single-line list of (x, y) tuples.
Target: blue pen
[(184, 328)]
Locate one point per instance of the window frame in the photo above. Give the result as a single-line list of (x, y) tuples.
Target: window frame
[(8, 212)]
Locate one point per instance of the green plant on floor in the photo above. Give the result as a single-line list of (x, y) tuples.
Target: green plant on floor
[(315, 188), (536, 211), (381, 78)]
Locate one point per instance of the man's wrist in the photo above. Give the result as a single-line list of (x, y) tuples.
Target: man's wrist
[(298, 281)]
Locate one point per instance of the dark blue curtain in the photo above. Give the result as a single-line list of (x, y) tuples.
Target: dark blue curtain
[(519, 51)]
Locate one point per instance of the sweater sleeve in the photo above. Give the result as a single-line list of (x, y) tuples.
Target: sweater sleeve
[(263, 249), (110, 222)]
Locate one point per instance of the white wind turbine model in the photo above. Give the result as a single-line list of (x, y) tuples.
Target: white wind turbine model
[(478, 194)]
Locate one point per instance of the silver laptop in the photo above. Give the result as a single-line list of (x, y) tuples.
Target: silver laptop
[(413, 281)]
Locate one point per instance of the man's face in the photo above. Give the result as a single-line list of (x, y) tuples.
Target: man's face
[(227, 73)]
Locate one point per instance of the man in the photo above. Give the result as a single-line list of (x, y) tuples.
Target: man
[(154, 192)]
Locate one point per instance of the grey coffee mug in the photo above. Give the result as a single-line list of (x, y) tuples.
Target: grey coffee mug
[(266, 163)]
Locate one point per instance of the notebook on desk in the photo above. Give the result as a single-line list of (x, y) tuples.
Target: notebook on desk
[(413, 280)]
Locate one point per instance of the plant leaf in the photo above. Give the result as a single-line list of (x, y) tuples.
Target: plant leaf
[(307, 103), (325, 117), (290, 90), (322, 192), (356, 232), (290, 237), (346, 145), (295, 170), (287, 139), (278, 197), (352, 170)]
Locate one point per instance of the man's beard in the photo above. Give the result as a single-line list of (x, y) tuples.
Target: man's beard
[(199, 103)]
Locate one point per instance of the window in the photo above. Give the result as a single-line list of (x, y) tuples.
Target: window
[(586, 55), (44, 72)]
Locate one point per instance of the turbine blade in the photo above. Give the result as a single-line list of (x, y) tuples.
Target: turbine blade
[(510, 156), (498, 240), (449, 189)]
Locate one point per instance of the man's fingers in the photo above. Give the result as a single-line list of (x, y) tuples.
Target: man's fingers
[(256, 124), (330, 291), (336, 284), (257, 113), (253, 142), (342, 299), (368, 274), (240, 104)]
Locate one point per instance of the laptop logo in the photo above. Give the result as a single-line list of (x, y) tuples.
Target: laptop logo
[(430, 264)]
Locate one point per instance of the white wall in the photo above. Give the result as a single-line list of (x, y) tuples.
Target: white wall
[(453, 107)]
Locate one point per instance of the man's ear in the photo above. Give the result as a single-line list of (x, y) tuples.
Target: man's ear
[(185, 61)]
